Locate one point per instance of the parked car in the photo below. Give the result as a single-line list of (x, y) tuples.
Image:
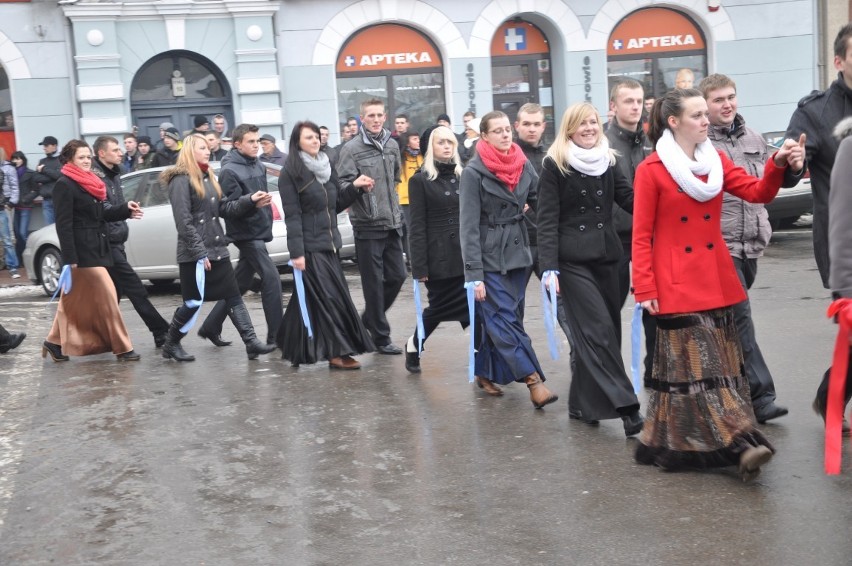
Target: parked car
[(791, 202), (151, 247)]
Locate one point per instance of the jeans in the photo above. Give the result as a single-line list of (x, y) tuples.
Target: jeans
[(21, 225), (6, 237), (47, 212)]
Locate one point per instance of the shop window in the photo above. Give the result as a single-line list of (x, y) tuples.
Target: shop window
[(397, 65), (657, 46)]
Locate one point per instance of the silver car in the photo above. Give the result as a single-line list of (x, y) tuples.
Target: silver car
[(151, 247)]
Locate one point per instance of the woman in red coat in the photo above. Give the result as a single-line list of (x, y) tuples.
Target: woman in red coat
[(699, 410)]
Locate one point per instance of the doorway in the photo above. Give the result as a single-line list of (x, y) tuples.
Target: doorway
[(175, 87)]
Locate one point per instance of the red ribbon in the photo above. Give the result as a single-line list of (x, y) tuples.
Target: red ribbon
[(842, 309)]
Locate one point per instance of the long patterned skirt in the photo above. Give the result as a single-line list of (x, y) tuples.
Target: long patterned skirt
[(699, 412)]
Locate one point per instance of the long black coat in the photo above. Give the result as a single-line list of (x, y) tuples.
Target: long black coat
[(81, 224), (311, 208), (433, 235), (575, 223)]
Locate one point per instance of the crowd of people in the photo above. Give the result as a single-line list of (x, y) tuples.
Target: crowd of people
[(664, 201)]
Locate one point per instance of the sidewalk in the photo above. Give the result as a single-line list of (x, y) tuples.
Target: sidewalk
[(7, 281)]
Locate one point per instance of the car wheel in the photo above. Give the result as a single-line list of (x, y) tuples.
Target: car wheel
[(49, 269)]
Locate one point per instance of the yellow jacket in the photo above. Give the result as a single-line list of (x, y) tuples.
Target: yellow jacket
[(410, 165)]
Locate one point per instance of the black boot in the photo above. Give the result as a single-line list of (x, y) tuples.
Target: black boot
[(172, 348), (213, 337), (242, 321)]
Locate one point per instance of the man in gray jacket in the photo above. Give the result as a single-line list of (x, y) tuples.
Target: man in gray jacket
[(745, 227), (376, 218)]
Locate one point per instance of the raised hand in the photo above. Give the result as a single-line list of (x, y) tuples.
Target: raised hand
[(792, 153)]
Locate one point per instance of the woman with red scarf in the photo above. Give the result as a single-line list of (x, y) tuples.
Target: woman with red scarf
[(88, 320), (495, 188)]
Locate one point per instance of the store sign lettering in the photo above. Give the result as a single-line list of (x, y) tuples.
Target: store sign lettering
[(661, 41), (394, 59), (587, 78), (471, 88)]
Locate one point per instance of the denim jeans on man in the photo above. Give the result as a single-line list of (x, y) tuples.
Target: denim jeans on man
[(6, 238), (21, 224), (47, 212)]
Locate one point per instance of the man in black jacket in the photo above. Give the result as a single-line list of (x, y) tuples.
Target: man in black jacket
[(243, 174), (49, 170), (107, 166), (816, 116)]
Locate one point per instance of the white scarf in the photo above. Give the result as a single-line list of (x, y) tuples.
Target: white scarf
[(593, 161), (684, 170)]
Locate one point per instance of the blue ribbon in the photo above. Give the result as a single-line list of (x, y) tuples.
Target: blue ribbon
[(300, 291), (636, 348), (419, 308), (64, 282), (549, 307), (200, 277), (471, 311)]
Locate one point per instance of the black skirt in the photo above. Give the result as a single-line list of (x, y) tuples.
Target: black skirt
[(337, 327), (219, 282)]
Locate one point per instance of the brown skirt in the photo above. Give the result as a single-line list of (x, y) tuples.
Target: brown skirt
[(88, 320), (699, 411)]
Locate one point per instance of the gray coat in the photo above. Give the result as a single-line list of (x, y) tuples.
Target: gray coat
[(200, 232), (378, 210), (745, 225), (492, 229), (840, 214)]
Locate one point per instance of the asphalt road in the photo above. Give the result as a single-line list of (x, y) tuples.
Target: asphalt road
[(230, 461)]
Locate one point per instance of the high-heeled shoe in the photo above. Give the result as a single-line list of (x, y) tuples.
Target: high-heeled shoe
[(55, 351)]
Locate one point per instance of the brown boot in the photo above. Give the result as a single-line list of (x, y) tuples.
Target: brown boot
[(344, 362), (539, 394), (488, 386)]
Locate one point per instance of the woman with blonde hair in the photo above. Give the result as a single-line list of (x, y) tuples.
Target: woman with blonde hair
[(579, 252), (88, 320), (436, 257), (496, 186), (202, 250)]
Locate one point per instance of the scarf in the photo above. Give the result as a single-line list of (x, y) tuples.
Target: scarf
[(684, 170), (506, 167), (204, 167), (21, 170), (593, 161), (379, 140), (412, 152), (320, 166), (90, 182)]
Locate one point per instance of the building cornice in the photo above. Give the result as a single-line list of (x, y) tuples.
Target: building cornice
[(83, 11)]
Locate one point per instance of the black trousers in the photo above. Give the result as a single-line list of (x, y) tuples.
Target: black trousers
[(759, 378), (624, 272), (4, 335), (253, 259), (382, 275), (127, 283), (822, 390)]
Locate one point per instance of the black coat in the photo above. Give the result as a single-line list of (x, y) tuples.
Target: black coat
[(165, 157), (48, 176), (28, 187), (200, 233), (535, 155), (575, 222), (433, 236), (81, 224), (310, 209), (118, 231), (632, 148), (240, 176), (816, 116)]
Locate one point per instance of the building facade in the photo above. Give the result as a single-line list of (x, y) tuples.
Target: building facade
[(89, 68)]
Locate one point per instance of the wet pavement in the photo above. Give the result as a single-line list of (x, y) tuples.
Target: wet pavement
[(231, 461)]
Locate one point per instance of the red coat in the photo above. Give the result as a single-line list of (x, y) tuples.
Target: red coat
[(679, 254)]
